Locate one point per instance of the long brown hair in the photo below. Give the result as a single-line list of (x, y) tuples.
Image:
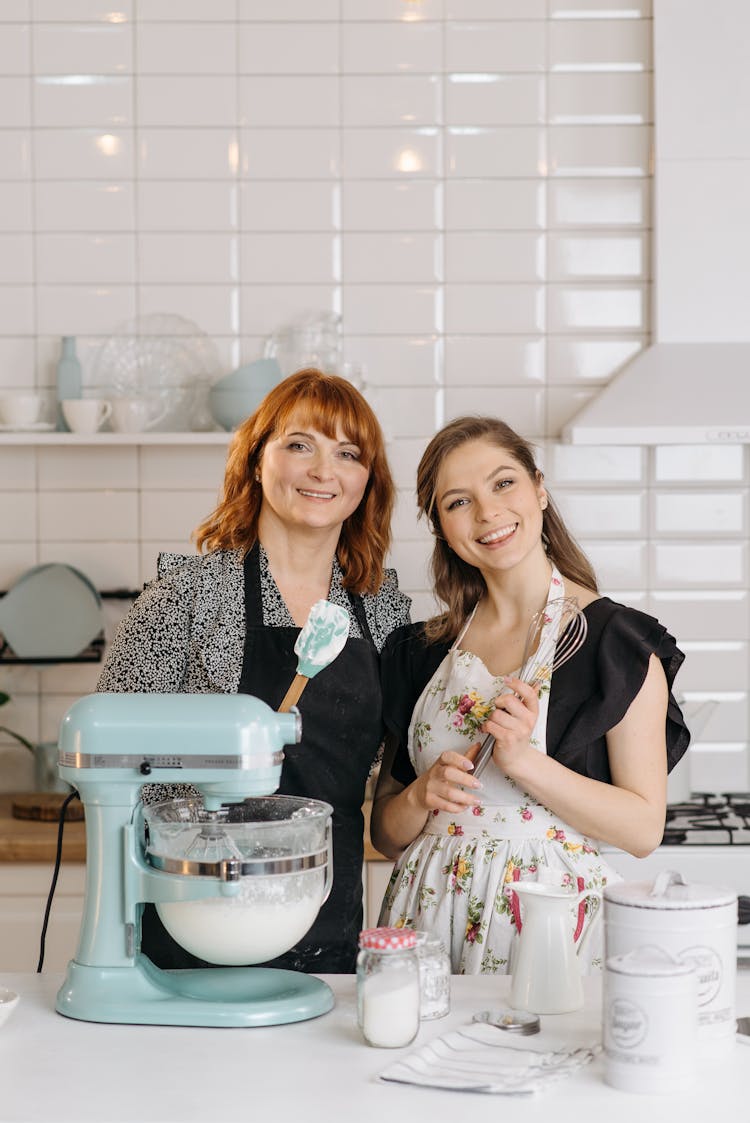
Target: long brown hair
[(329, 403), (457, 584)]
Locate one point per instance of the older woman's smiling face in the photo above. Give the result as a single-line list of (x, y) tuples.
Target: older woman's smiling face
[(489, 508), (310, 479)]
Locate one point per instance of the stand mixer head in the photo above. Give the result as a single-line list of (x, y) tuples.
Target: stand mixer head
[(230, 747)]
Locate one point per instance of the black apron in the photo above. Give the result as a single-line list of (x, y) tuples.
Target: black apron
[(341, 732)]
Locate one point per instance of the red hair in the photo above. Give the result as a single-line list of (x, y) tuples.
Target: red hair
[(329, 404)]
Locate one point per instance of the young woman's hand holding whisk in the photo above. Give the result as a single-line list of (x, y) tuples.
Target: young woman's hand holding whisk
[(512, 722)]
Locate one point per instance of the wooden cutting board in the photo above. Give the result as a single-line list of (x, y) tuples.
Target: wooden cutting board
[(45, 807), (29, 840)]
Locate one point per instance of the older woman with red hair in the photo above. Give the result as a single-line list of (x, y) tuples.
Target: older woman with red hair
[(304, 515)]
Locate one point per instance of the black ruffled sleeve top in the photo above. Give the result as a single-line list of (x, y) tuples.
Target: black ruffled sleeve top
[(590, 694)]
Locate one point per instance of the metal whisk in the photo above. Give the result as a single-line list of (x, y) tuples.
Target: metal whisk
[(554, 635), (214, 842)]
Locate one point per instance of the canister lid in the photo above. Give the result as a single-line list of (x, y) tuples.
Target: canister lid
[(669, 891), (388, 939), (651, 961)]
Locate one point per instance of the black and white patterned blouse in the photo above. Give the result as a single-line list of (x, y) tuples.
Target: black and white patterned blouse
[(277, 615)]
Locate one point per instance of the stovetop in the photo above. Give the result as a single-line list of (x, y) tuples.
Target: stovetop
[(709, 820), (707, 840)]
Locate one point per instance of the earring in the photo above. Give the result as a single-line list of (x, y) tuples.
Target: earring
[(257, 477), (543, 504)]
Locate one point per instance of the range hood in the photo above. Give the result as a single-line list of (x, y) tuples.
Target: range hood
[(672, 393), (692, 385)]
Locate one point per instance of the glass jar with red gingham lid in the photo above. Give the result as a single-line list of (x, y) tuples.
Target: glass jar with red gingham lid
[(388, 986), (388, 939)]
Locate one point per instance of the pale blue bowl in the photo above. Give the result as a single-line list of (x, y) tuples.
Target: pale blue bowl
[(261, 372), (230, 407), (235, 396)]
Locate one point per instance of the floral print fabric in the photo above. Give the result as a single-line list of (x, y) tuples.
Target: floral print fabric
[(456, 878)]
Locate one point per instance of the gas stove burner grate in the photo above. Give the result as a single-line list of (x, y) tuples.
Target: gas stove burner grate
[(709, 819), (673, 838)]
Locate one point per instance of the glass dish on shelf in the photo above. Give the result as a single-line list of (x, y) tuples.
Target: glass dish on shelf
[(313, 339), (164, 358)]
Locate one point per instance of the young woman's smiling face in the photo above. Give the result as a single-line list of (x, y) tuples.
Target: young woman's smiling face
[(488, 507), (310, 479)]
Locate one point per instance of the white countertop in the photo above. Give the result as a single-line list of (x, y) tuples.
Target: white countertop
[(54, 1068)]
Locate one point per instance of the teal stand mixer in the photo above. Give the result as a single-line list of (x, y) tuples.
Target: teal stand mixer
[(238, 860)]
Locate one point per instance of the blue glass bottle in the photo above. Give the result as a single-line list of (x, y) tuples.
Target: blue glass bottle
[(68, 377)]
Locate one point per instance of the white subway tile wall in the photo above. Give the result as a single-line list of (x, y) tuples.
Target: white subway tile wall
[(467, 182)]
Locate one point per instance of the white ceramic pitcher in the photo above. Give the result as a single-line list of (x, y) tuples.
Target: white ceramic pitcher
[(546, 976)]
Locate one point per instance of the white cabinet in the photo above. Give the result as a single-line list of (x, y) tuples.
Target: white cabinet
[(24, 887), (376, 879)]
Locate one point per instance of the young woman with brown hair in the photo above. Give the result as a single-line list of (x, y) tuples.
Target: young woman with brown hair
[(304, 515), (581, 759)]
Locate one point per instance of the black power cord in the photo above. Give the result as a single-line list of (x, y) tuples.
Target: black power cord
[(58, 858)]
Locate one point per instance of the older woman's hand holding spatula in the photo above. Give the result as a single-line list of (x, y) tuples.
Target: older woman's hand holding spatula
[(320, 641)]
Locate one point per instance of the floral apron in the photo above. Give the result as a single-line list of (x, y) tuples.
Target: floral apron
[(452, 879)]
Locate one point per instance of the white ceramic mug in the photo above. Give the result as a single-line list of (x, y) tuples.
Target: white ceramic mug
[(85, 415), (133, 415), (20, 409)]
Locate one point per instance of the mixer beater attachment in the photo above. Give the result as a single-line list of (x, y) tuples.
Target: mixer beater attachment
[(212, 843)]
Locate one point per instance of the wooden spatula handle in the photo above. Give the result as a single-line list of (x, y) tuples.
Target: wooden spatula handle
[(293, 694)]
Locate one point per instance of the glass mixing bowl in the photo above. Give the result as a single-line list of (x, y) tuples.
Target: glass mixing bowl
[(277, 848)]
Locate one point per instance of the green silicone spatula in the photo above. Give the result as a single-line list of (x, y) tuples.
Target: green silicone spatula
[(320, 641)]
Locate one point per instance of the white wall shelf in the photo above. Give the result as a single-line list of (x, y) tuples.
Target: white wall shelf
[(102, 440)]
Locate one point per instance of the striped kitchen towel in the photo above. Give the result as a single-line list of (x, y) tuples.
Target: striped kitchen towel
[(482, 1058)]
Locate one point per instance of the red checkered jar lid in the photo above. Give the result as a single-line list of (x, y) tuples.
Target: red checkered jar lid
[(388, 939)]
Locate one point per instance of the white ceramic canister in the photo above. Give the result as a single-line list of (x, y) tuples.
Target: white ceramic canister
[(649, 1022), (693, 922)]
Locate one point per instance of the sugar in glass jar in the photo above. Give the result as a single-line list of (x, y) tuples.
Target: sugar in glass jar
[(388, 986)]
